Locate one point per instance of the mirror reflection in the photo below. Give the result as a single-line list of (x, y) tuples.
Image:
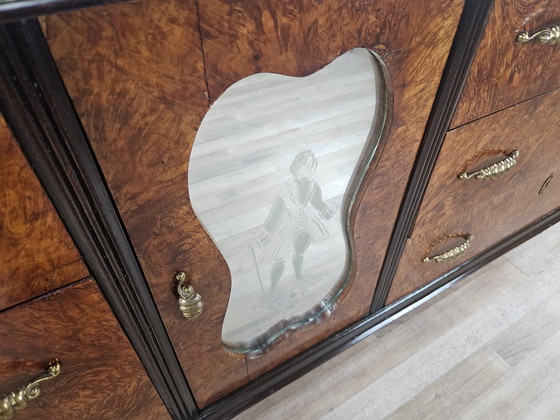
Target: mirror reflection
[(274, 168)]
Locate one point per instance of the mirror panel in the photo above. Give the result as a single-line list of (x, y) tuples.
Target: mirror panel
[(274, 170)]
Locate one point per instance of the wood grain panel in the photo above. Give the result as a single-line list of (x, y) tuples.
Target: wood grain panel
[(37, 253), (488, 209), (15, 10), (295, 38), (101, 376), (136, 74), (505, 72)]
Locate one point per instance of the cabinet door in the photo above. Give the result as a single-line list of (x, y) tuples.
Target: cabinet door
[(36, 253), (505, 71), (487, 207), (146, 77)]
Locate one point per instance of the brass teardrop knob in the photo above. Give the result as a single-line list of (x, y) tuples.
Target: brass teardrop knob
[(190, 302)]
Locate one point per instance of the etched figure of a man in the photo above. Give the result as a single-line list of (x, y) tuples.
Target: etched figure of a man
[(295, 220)]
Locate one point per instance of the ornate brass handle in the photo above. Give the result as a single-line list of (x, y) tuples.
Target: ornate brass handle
[(549, 36), (16, 401), (190, 302), (454, 252), (495, 170)]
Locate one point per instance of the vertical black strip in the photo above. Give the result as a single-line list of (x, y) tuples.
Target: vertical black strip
[(35, 104), (469, 32)]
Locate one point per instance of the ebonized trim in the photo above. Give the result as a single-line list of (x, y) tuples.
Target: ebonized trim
[(13, 10), (299, 365), (35, 104), (469, 32)]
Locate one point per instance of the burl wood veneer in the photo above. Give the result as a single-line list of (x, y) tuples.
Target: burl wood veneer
[(505, 72), (36, 252), (489, 209), (101, 376), (142, 76)]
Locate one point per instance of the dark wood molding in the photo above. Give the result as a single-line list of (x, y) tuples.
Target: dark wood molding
[(13, 10), (299, 365), (463, 50), (35, 104)]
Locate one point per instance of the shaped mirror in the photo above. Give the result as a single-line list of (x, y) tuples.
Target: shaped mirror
[(274, 170)]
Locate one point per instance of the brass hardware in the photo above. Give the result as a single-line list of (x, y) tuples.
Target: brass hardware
[(495, 170), (16, 401), (190, 302), (454, 252), (546, 184), (548, 36)]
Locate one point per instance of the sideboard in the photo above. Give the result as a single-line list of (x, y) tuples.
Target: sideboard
[(203, 200)]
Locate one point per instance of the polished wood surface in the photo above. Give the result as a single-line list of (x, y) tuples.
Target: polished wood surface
[(101, 376), (486, 348), (37, 254), (14, 10), (505, 72), (136, 73), (488, 209)]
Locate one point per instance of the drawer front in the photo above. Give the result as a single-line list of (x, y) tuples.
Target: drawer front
[(36, 253), (488, 209), (101, 377), (505, 72), (143, 75)]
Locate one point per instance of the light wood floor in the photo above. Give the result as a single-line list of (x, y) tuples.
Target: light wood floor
[(486, 348)]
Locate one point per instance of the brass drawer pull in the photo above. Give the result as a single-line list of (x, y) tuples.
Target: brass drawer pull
[(548, 36), (454, 252), (190, 302), (16, 401), (495, 170)]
